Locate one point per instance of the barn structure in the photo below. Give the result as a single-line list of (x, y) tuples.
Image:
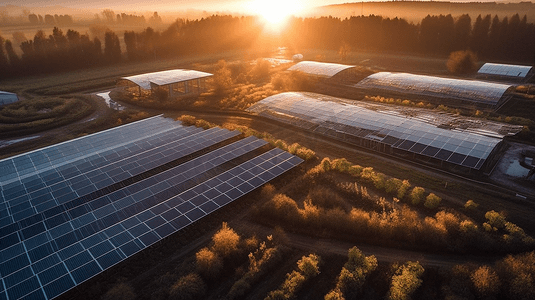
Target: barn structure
[(505, 72), (8, 98), (447, 91), (73, 210), (176, 83), (470, 147), (325, 70)]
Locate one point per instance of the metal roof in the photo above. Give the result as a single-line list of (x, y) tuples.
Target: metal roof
[(319, 68), (165, 77), (468, 90), (325, 114), (505, 70)]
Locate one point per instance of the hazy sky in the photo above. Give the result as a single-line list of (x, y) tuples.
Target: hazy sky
[(162, 5)]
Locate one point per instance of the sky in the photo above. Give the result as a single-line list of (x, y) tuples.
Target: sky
[(166, 5)]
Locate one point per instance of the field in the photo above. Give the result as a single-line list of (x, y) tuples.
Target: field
[(440, 234)]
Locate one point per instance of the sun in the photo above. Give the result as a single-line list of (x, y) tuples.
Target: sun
[(274, 11)]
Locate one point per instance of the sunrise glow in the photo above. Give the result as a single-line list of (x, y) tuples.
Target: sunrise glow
[(274, 11)]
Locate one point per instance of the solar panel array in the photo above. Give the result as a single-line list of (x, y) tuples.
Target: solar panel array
[(467, 90), (505, 70), (319, 68), (70, 211), (330, 116)]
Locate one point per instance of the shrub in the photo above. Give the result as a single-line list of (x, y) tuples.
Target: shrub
[(417, 195), (209, 264), (226, 241), (309, 265), (462, 62), (187, 120), (402, 191), (188, 287), (222, 78), (405, 281), (353, 275), (121, 291), (432, 201), (470, 205), (392, 185), (486, 281), (495, 219)]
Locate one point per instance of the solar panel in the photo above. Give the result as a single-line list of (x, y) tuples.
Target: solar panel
[(53, 249), (348, 122)]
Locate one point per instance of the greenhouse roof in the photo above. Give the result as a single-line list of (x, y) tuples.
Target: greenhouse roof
[(319, 68), (467, 90), (322, 113), (505, 70), (165, 77)]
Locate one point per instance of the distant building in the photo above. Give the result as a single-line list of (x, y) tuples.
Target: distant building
[(8, 98), (448, 91), (505, 72), (177, 83)]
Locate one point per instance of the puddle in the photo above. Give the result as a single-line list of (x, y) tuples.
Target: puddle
[(516, 170), (109, 102)]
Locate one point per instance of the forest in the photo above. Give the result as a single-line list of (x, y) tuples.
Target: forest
[(510, 39)]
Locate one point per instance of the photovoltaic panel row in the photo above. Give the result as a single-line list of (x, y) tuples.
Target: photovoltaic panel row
[(99, 173), (57, 222), (140, 227), (181, 148), (24, 165), (341, 120), (62, 183)]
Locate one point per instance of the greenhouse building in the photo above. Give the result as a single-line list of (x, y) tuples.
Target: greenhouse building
[(177, 83), (446, 91), (463, 149), (324, 70), (505, 72)]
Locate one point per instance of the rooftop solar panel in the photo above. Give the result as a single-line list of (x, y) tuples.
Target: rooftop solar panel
[(60, 245)]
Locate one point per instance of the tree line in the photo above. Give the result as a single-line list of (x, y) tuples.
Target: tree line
[(508, 39)]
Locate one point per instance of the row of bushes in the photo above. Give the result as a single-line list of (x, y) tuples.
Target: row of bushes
[(349, 211), (294, 148), (392, 186)]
